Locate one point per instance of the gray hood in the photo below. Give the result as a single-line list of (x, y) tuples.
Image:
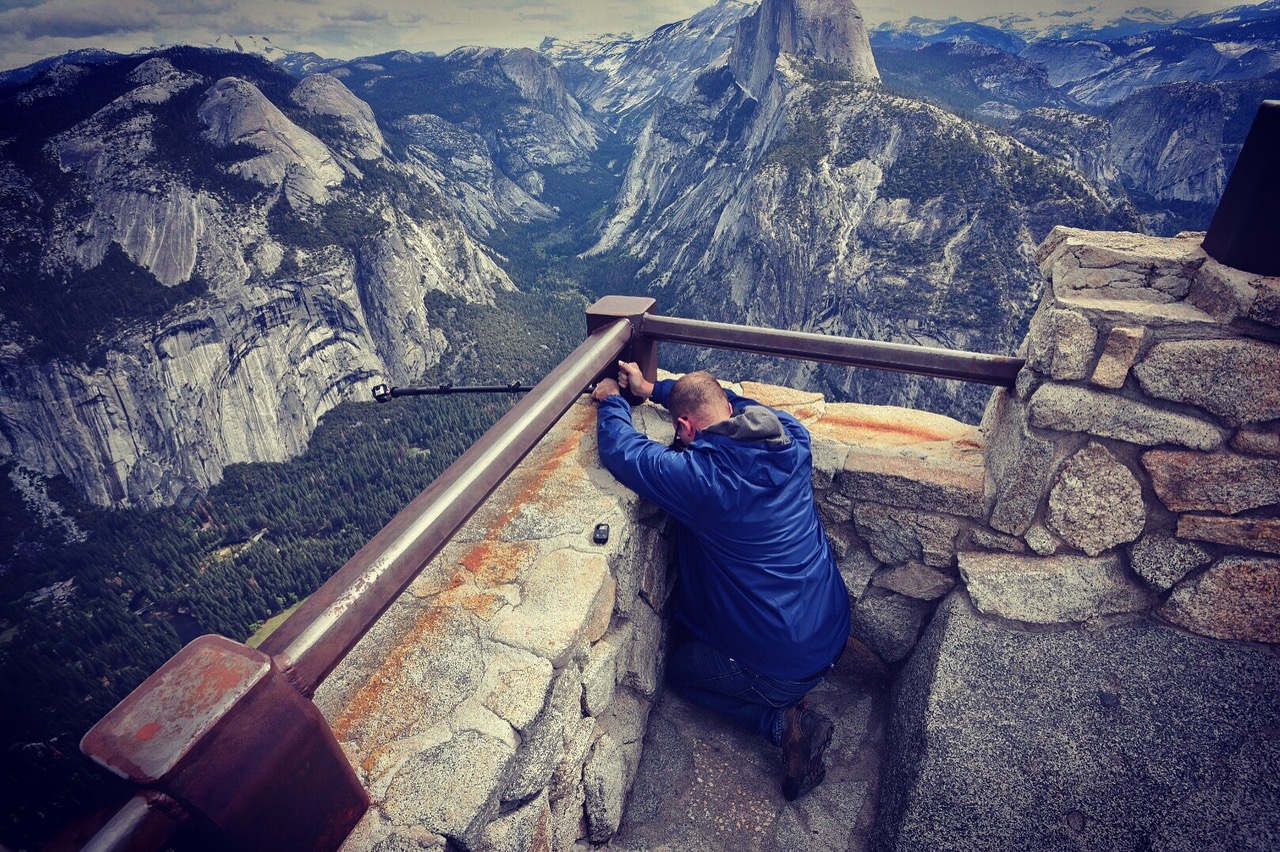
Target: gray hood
[(755, 423)]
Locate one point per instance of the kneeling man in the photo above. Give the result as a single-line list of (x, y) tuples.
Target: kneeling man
[(762, 610)]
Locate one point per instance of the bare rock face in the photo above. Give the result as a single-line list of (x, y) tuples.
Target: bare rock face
[(1193, 169), (544, 89), (830, 31), (1117, 724), (237, 113), (457, 162), (156, 221), (834, 202), (285, 321), (622, 78), (322, 94)]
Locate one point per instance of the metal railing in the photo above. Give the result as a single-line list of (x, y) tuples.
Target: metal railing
[(224, 740)]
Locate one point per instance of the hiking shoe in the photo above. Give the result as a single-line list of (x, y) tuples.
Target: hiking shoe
[(805, 736)]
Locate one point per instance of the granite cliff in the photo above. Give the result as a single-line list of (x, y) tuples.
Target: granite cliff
[(624, 77), (791, 190), (277, 260)]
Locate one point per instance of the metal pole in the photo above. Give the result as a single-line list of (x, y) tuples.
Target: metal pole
[(384, 393), (898, 357)]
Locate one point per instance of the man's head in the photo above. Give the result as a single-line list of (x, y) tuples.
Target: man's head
[(697, 401)]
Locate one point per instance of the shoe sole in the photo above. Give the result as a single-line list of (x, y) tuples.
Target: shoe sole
[(817, 769), (812, 773)]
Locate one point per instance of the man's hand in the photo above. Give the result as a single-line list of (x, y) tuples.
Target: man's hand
[(605, 388), (630, 377)]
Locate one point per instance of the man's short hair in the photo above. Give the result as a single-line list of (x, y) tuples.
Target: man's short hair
[(698, 394)]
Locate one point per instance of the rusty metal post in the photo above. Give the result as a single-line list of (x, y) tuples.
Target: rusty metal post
[(643, 350), (221, 731)]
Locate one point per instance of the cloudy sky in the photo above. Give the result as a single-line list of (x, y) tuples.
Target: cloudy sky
[(34, 29)]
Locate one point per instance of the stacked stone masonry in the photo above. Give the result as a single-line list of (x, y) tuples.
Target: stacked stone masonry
[(501, 703), (1139, 455)]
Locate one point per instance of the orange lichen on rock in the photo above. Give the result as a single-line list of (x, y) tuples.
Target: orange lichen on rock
[(483, 605), (529, 487), (371, 714), (882, 425), (497, 563)]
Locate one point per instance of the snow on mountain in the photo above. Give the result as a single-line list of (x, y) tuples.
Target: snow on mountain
[(1100, 19), (257, 45), (622, 76), (296, 62)]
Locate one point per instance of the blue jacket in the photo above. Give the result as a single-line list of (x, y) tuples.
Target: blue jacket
[(758, 580)]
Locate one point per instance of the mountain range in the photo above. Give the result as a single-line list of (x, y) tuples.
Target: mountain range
[(210, 248)]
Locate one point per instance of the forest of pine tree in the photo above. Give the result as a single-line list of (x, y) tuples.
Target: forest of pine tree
[(145, 583)]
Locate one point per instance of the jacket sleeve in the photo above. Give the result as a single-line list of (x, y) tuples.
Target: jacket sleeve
[(658, 474), (661, 391)]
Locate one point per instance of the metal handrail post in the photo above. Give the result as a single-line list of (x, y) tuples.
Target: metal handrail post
[(642, 350)]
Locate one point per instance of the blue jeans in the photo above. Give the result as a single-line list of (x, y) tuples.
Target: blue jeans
[(710, 679)]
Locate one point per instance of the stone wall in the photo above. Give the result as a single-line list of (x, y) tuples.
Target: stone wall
[(1134, 470), (1061, 698), (1139, 456)]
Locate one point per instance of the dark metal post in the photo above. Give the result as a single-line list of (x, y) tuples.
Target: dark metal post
[(220, 730), (643, 350), (1245, 232)]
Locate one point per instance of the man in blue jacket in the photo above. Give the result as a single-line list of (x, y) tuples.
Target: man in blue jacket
[(763, 607)]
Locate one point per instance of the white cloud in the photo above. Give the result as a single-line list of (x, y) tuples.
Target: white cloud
[(32, 29)]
